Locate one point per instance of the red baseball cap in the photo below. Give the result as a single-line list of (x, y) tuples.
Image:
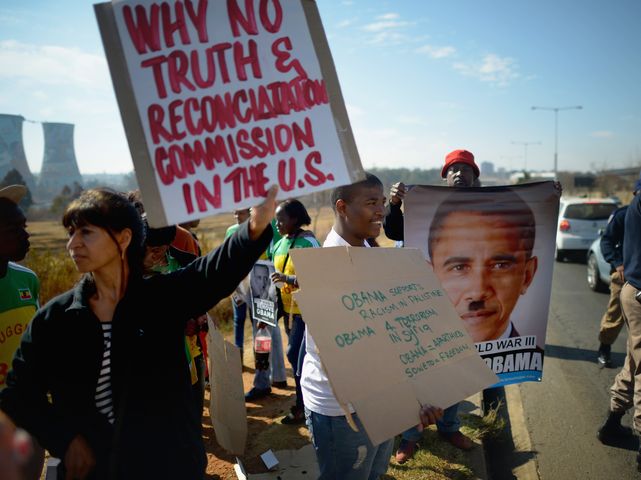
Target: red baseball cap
[(459, 156)]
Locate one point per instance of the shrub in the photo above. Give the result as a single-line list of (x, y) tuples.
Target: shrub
[(56, 272)]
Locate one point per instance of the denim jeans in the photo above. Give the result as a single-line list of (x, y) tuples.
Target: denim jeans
[(296, 340), (450, 423), (276, 361), (240, 314), (344, 454)]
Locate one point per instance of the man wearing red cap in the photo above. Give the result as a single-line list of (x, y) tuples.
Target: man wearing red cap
[(459, 170)]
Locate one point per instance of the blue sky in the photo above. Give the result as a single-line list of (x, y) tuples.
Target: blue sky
[(420, 78)]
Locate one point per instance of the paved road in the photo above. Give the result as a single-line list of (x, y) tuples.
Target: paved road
[(564, 411)]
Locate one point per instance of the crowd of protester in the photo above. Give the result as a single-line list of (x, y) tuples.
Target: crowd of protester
[(81, 374), (82, 378), (79, 377), (82, 371)]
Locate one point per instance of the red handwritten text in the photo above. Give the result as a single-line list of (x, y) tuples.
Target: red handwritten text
[(144, 29), (247, 20)]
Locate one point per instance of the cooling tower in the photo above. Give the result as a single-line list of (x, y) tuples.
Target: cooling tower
[(59, 166), (12, 150)]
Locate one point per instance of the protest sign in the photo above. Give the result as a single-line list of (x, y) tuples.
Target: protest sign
[(388, 337), (264, 302), (492, 249), (227, 407), (221, 99)]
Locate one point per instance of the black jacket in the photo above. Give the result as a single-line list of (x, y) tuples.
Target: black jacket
[(156, 434), (393, 223), (612, 238)]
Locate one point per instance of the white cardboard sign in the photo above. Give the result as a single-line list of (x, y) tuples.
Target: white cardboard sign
[(221, 99)]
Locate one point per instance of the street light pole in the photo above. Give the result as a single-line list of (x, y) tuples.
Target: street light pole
[(556, 111), (525, 145)]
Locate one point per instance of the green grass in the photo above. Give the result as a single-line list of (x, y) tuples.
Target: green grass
[(438, 460)]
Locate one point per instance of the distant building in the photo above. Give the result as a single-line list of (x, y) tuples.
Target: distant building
[(59, 165), (487, 168), (519, 177), (12, 154)]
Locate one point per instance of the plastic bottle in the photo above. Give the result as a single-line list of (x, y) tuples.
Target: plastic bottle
[(262, 348)]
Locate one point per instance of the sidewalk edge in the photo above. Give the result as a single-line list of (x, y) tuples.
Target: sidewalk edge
[(520, 433)]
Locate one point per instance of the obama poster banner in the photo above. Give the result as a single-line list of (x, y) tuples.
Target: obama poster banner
[(264, 306), (221, 99), (492, 250)]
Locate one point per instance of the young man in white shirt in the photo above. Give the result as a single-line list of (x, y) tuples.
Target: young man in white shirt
[(342, 453)]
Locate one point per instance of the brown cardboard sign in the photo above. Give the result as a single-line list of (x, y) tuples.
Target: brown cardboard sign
[(221, 99), (388, 336), (227, 407)]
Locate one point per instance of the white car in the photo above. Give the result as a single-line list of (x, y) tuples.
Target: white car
[(580, 220)]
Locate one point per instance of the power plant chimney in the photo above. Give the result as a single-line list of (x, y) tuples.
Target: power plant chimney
[(59, 166), (12, 154)]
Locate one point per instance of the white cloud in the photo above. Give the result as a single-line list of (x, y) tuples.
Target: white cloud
[(388, 16), (493, 69), (414, 120), (354, 111), (344, 23), (437, 51), (388, 21), (384, 25), (53, 65), (389, 38), (39, 95), (602, 134), (47, 113)]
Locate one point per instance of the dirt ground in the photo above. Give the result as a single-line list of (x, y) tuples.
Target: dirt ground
[(263, 423)]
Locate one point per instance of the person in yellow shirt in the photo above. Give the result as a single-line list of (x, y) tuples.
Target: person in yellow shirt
[(291, 217)]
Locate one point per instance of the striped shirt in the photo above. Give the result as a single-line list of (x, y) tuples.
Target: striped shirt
[(104, 400)]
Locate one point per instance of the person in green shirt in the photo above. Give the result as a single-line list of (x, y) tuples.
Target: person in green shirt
[(19, 290), (291, 217)]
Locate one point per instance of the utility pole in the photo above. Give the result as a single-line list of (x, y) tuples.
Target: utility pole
[(556, 111), (525, 145)]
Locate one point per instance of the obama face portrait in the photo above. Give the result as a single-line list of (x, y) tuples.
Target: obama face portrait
[(482, 254)]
